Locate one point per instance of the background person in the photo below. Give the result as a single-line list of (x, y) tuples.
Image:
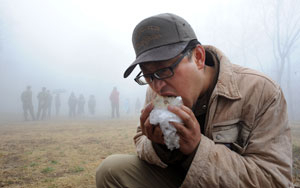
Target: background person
[(42, 103), (26, 98), (114, 101), (49, 103), (72, 102)]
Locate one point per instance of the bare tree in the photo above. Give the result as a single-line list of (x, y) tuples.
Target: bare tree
[(282, 26)]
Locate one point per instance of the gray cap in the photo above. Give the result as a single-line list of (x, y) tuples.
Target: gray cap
[(159, 38)]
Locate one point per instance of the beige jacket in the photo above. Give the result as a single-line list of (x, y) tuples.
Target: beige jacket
[(247, 110)]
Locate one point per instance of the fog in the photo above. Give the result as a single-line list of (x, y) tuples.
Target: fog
[(85, 46)]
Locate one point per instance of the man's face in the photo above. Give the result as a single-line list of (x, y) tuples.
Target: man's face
[(186, 81)]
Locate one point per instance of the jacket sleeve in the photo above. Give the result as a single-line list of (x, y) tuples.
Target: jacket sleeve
[(266, 161), (143, 145)]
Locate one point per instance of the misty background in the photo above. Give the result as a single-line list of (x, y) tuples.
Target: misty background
[(85, 46)]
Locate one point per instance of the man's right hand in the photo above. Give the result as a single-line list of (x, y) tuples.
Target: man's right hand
[(153, 132)]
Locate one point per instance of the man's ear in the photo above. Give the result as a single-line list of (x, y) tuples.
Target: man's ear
[(199, 54)]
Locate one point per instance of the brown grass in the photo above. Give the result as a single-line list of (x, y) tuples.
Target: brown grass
[(296, 153), (66, 153), (60, 154)]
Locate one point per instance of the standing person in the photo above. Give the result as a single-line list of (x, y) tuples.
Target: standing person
[(42, 103), (81, 103), (234, 130), (114, 101), (72, 102), (26, 98), (49, 104), (57, 104), (92, 104)]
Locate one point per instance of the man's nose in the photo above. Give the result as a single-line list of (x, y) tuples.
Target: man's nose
[(158, 84)]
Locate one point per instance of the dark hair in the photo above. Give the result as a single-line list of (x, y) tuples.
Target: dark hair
[(191, 45)]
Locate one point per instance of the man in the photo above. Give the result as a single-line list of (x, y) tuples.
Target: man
[(114, 101), (42, 103), (26, 98), (235, 130), (49, 103), (72, 102)]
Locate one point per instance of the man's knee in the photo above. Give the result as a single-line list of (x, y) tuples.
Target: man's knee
[(109, 164), (110, 170)]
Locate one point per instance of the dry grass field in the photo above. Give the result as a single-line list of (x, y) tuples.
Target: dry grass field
[(66, 153), (296, 153), (60, 153)]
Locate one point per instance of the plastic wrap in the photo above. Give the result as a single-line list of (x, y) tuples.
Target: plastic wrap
[(161, 116)]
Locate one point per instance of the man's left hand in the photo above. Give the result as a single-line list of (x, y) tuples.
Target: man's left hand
[(189, 132)]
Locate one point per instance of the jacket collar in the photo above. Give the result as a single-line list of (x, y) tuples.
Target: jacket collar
[(227, 84)]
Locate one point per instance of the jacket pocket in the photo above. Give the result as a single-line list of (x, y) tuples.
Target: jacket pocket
[(232, 134)]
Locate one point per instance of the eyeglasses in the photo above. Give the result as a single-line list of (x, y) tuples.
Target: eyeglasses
[(160, 74)]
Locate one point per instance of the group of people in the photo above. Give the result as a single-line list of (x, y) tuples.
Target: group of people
[(44, 104), (77, 104), (45, 98)]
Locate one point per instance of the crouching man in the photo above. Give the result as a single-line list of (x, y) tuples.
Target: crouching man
[(235, 130)]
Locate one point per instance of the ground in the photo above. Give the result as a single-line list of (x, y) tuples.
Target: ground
[(66, 153)]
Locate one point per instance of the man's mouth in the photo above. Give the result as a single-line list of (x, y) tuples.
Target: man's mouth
[(168, 95)]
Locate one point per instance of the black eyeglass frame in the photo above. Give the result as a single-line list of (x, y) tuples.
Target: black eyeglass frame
[(151, 76)]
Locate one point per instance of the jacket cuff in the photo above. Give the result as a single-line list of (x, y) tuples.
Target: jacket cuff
[(200, 161), (186, 163), (147, 153)]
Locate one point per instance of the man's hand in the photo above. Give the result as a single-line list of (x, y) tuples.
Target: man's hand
[(153, 132), (189, 132)]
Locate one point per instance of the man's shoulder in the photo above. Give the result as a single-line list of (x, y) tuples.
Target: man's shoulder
[(253, 77), (255, 86), (245, 82), (227, 68)]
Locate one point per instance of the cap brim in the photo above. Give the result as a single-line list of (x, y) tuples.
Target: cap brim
[(157, 54)]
